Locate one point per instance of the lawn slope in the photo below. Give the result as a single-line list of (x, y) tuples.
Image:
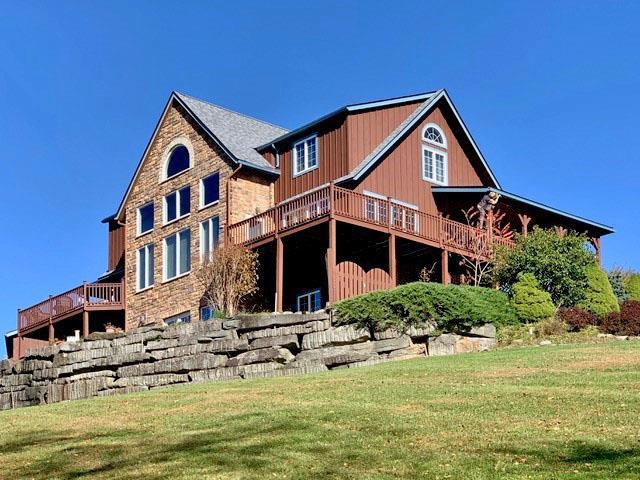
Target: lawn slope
[(558, 412)]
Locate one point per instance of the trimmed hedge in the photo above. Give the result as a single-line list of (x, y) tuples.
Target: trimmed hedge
[(599, 297), (530, 301), (453, 308)]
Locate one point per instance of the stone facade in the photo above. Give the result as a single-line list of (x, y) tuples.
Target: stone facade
[(245, 347), (249, 195)]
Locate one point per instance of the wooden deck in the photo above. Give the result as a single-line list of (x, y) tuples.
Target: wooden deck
[(84, 298), (376, 213)]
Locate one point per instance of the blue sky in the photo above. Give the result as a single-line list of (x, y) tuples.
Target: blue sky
[(548, 89)]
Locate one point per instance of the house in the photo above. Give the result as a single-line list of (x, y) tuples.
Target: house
[(366, 197)]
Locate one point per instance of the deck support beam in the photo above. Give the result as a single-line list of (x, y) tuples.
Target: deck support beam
[(444, 262), (279, 273), (393, 266), (331, 262), (85, 324)]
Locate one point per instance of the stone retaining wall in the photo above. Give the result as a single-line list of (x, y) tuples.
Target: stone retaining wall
[(243, 347)]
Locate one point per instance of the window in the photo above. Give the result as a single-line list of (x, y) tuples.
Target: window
[(209, 190), (178, 161), (404, 216), (433, 134), (207, 313), (184, 317), (434, 165), (177, 204), (305, 155), (144, 267), (375, 207), (310, 301), (145, 218), (177, 254), (209, 236)]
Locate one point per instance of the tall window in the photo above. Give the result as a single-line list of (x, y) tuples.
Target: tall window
[(177, 254), (178, 161), (209, 190), (177, 204), (144, 267), (305, 155), (434, 160), (145, 218), (209, 236)]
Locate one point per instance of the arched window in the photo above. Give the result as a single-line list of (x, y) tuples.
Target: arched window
[(434, 135), (178, 161)]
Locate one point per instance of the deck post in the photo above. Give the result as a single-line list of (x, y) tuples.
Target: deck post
[(524, 222), (595, 241), (444, 262), (331, 261), (85, 324), (392, 260), (52, 334), (279, 273)]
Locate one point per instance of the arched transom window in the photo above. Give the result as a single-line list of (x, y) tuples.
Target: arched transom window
[(434, 160), (178, 161)]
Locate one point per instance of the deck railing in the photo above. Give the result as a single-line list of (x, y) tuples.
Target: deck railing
[(86, 296), (374, 210)]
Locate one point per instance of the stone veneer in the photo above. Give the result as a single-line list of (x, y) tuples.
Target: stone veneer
[(181, 294), (252, 346)]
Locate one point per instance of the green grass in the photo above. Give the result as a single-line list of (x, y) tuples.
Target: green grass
[(558, 412)]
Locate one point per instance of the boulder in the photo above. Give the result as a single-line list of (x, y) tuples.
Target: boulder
[(343, 335), (388, 345), (421, 333), (487, 330), (332, 356), (449, 344), (224, 373), (387, 334), (152, 380), (301, 329), (200, 361), (286, 341), (272, 354), (254, 322)]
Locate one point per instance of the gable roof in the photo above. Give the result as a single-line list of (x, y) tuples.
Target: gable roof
[(411, 121), (236, 134)]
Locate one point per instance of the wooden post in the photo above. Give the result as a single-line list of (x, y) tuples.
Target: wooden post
[(595, 241), (444, 261), (52, 334), (331, 261), (392, 260), (85, 324), (524, 222), (279, 273)]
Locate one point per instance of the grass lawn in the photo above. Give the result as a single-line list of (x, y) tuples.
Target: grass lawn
[(565, 412)]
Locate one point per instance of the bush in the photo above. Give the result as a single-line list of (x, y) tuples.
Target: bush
[(453, 308), (577, 318), (550, 327), (531, 303), (617, 279), (624, 322), (599, 297), (633, 286), (557, 262)]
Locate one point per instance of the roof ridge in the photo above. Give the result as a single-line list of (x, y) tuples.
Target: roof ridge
[(231, 111), (393, 99)]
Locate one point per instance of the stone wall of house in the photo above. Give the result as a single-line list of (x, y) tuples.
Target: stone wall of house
[(252, 346), (250, 194)]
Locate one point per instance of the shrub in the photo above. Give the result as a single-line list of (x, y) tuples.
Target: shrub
[(550, 327), (617, 279), (450, 307), (633, 286), (557, 262), (624, 322), (599, 297), (531, 303), (577, 318)]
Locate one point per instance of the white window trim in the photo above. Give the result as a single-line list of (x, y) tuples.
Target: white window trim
[(307, 294), (202, 239), (294, 156), (435, 152), (201, 193), (167, 153), (178, 318), (146, 268), (178, 198), (405, 206), (139, 233), (437, 127), (178, 252), (378, 201)]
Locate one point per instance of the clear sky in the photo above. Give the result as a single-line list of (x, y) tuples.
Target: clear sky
[(550, 91)]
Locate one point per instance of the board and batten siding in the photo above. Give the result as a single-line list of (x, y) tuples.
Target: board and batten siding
[(116, 245)]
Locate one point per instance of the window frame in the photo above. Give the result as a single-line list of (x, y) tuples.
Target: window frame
[(294, 156), (165, 263), (308, 294), (445, 163), (149, 274), (401, 208), (201, 203), (179, 142), (202, 243), (178, 318), (139, 231), (165, 214), (431, 142)]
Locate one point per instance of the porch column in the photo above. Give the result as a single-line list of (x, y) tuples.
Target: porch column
[(331, 262), (444, 261), (524, 222), (279, 273), (392, 260), (85, 324), (595, 241), (52, 335)]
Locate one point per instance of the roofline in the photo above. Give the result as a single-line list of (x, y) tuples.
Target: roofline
[(109, 218), (533, 203), (11, 333), (355, 107)]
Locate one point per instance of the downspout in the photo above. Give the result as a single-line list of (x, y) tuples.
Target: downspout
[(273, 145)]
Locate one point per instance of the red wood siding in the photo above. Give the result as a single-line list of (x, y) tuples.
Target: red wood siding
[(399, 174), (116, 245)]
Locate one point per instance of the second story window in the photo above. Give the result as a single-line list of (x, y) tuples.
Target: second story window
[(177, 254), (144, 267), (305, 155), (434, 160), (209, 190), (209, 237), (177, 204), (145, 219)]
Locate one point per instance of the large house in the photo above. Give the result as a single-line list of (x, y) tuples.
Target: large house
[(363, 198)]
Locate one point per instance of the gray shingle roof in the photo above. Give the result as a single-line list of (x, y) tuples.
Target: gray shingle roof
[(239, 133)]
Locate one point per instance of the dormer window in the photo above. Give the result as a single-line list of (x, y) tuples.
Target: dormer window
[(178, 161), (305, 155), (434, 160)]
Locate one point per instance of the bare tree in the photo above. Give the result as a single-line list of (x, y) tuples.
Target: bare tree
[(426, 273), (227, 276)]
